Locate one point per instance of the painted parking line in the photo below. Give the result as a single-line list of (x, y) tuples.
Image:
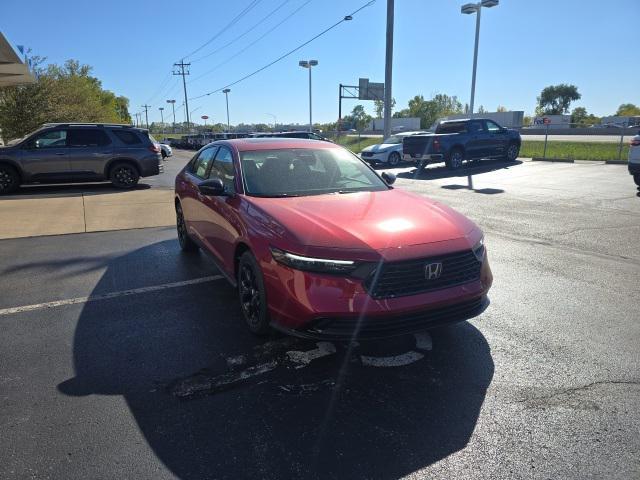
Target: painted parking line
[(107, 296)]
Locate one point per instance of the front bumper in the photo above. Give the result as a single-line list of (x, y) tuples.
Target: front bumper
[(374, 157), (318, 306)]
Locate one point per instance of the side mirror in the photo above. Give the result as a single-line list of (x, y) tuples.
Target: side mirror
[(212, 187), (389, 177)]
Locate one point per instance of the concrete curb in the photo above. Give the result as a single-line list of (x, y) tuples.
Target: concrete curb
[(571, 160), (616, 162), (561, 160)]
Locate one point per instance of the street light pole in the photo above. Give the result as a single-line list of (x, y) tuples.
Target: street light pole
[(308, 64), (173, 107), (388, 70), (226, 94), (161, 118), (469, 9)]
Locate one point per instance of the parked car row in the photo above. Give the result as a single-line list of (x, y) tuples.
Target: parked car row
[(452, 142), (197, 141)]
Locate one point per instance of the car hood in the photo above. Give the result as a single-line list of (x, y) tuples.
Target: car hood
[(380, 147), (361, 221)]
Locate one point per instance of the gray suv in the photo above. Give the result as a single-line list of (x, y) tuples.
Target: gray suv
[(80, 152)]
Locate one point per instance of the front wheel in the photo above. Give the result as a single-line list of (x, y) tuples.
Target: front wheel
[(513, 150), (186, 244), (253, 299), (456, 159), (394, 159), (9, 179)]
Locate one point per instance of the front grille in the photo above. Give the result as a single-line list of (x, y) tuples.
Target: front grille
[(367, 154), (397, 279), (344, 328)]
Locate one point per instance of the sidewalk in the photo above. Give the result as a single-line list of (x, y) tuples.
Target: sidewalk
[(37, 215)]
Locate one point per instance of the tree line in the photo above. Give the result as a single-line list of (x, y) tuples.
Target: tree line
[(61, 93)]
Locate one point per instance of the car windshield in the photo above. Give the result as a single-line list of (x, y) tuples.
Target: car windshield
[(306, 171)]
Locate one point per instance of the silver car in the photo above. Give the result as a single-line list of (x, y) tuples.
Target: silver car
[(81, 152)]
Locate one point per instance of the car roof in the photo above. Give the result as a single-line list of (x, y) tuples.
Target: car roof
[(271, 143)]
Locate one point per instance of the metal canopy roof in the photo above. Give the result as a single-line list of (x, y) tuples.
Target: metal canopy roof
[(13, 71)]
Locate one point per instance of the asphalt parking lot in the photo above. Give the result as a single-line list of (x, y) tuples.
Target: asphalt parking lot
[(121, 357)]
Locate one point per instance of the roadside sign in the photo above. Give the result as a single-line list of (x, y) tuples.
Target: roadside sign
[(205, 117)]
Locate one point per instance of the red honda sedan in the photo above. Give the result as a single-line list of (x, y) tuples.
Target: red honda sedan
[(320, 246)]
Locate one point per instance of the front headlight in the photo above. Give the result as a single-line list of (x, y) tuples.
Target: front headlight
[(478, 250), (309, 264)]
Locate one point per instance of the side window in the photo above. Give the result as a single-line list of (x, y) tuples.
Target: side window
[(127, 137), (201, 164), (223, 169), (50, 139), (87, 137), (475, 127), (493, 126)]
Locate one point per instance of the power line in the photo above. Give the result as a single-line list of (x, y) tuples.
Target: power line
[(235, 20), (249, 30), (344, 19), (235, 55), (162, 86)]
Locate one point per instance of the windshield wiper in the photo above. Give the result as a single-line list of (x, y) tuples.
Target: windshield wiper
[(276, 195)]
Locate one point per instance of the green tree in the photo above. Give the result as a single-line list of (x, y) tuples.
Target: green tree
[(66, 93), (379, 107), (556, 99), (359, 117), (481, 109), (578, 115), (627, 110), (501, 108), (429, 111)]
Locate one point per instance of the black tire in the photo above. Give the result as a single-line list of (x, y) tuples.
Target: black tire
[(456, 159), (636, 178), (513, 150), (124, 175), (186, 243), (253, 298), (394, 159), (9, 179)]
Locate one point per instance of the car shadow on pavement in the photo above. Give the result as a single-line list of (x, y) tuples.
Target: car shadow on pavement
[(70, 190), (212, 401), (441, 171)]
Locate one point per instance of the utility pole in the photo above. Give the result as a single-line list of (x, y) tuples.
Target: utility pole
[(173, 107), (183, 72), (161, 118), (146, 114), (388, 70)]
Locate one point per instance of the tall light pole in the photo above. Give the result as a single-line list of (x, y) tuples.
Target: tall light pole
[(469, 9), (388, 70), (275, 120), (162, 118), (226, 94), (173, 107), (308, 64)]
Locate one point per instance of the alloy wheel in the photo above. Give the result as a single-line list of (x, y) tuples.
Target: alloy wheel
[(394, 159), (250, 297), (125, 175), (456, 159), (6, 180), (512, 153)]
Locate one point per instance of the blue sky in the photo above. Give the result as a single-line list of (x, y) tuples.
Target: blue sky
[(525, 45)]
